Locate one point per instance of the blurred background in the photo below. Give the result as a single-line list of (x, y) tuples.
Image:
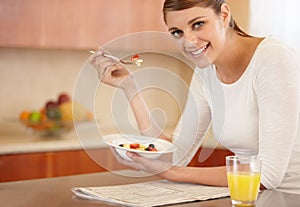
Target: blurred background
[(44, 44)]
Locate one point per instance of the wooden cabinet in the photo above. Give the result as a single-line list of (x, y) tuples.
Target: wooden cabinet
[(52, 164), (79, 24), (207, 157), (23, 166)]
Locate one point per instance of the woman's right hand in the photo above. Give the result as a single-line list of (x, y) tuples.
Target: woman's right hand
[(110, 71), (158, 166)]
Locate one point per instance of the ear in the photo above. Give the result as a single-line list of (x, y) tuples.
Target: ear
[(225, 14)]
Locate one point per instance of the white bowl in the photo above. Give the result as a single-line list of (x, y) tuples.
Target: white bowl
[(162, 146)]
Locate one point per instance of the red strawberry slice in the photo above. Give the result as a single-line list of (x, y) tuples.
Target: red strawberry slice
[(134, 146), (153, 149), (135, 57)]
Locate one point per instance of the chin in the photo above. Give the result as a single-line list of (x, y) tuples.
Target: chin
[(203, 66), (202, 62)]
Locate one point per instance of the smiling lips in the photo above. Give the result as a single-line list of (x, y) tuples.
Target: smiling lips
[(197, 53)]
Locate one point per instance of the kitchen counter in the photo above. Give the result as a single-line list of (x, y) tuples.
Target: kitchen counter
[(56, 192), (28, 156), (15, 138)]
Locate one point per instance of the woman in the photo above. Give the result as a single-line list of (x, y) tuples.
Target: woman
[(260, 88)]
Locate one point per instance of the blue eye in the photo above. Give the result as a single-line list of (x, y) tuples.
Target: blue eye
[(177, 34), (197, 25)]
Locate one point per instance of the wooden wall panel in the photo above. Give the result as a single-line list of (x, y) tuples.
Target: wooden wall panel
[(79, 24)]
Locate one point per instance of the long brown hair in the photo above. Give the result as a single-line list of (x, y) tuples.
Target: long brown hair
[(176, 5)]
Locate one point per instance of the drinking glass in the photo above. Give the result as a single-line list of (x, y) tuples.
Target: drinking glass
[(243, 176)]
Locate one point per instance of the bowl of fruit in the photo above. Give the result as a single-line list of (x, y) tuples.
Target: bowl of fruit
[(56, 117), (148, 147)]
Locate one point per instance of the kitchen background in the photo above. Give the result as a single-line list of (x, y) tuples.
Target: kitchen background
[(44, 44), (43, 47)]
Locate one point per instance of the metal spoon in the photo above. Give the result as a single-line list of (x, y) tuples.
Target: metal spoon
[(136, 60)]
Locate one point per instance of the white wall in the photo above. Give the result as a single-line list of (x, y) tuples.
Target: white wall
[(29, 77), (278, 19)]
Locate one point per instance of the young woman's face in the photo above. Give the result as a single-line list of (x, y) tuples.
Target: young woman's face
[(199, 32)]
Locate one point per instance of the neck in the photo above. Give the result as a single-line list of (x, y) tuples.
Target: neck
[(235, 58)]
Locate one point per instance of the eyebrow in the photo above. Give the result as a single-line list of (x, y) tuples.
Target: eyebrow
[(193, 20), (172, 28), (189, 22)]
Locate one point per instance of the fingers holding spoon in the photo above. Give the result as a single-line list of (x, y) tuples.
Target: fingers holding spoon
[(136, 59)]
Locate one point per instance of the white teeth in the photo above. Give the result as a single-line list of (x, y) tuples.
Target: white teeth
[(197, 52)]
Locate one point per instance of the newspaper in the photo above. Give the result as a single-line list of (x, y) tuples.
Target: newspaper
[(151, 193)]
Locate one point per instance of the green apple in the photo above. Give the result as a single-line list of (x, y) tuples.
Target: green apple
[(35, 116)]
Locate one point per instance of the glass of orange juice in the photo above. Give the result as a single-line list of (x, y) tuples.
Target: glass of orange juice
[(243, 176)]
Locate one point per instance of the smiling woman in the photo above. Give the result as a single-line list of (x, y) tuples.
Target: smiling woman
[(241, 89)]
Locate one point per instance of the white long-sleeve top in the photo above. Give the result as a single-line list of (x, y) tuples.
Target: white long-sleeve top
[(257, 114)]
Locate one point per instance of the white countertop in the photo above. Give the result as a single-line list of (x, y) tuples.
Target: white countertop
[(15, 138)]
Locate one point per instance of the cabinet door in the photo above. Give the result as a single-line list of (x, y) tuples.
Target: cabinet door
[(210, 157), (59, 163), (23, 166), (72, 162), (81, 161), (83, 24)]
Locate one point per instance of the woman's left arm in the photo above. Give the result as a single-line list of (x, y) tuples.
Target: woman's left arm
[(278, 95), (213, 176)]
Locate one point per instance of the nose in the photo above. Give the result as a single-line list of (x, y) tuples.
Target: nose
[(190, 38)]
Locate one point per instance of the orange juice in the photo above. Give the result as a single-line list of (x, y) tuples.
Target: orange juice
[(243, 186)]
